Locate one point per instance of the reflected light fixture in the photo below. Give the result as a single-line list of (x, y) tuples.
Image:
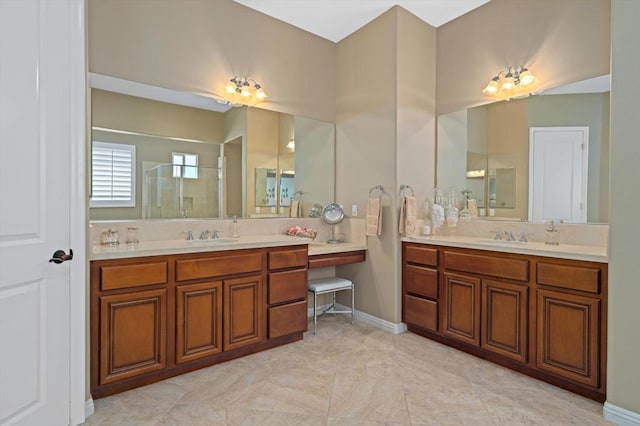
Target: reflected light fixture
[(244, 91), (512, 83), (291, 145)]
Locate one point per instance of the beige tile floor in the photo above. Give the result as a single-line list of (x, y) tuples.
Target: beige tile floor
[(350, 375)]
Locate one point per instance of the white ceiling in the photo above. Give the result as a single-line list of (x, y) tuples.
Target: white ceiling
[(336, 19)]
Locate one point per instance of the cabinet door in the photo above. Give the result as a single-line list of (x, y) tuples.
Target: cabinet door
[(243, 312), (198, 320), (132, 334), (504, 319), (568, 336), (462, 308)]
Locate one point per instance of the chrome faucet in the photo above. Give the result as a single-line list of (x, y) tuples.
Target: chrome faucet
[(508, 236), (214, 234), (189, 236), (204, 235), (504, 235)]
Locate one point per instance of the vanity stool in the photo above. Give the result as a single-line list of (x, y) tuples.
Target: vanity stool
[(330, 285)]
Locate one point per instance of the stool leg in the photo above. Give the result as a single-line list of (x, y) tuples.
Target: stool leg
[(353, 303), (315, 309)]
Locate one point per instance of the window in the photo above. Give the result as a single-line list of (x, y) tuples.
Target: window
[(113, 175), (185, 165)]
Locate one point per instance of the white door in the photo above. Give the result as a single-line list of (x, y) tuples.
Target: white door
[(558, 163), (37, 119)]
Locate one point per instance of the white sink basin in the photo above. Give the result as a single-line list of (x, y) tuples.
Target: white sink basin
[(502, 242), (215, 241)]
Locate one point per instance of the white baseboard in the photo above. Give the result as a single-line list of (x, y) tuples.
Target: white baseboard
[(620, 415), (369, 319), (89, 408)]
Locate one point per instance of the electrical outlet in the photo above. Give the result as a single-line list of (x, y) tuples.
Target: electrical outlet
[(354, 210)]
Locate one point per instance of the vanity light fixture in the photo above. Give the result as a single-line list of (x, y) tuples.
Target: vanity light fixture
[(512, 83), (244, 91)]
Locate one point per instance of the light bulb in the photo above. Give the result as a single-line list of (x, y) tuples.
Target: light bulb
[(493, 87), (527, 78), (509, 83), (260, 94), (230, 88)]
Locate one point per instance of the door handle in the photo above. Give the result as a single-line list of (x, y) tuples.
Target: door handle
[(60, 256)]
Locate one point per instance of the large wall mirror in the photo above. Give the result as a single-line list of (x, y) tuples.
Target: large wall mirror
[(549, 151), (153, 159)]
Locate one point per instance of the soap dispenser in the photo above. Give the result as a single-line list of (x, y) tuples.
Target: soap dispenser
[(234, 228), (551, 235)]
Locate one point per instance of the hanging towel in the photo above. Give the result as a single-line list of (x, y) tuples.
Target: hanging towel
[(294, 208), (374, 216), (472, 205), (408, 216)]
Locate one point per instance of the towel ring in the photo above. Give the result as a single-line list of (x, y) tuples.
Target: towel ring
[(376, 188), (404, 189)]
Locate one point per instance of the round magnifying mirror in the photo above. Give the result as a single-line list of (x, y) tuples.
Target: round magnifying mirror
[(333, 214)]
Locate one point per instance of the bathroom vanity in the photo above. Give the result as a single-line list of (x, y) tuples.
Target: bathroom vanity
[(164, 308), (543, 313)]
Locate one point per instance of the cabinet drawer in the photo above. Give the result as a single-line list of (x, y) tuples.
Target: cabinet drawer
[(421, 255), (421, 312), (570, 277), (136, 275), (287, 286), (421, 281), (288, 258), (287, 319), (208, 267), (515, 269), (333, 259)]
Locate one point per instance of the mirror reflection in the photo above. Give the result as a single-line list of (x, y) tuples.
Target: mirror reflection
[(164, 161), (549, 151)]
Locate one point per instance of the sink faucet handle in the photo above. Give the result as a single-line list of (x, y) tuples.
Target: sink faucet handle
[(189, 235), (215, 233), (523, 237), (204, 235), (498, 236)]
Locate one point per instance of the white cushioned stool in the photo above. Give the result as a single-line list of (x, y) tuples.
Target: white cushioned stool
[(330, 285)]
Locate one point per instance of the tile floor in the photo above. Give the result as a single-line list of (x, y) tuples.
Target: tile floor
[(350, 375)]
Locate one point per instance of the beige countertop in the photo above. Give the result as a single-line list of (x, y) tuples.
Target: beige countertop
[(562, 251), (165, 247)]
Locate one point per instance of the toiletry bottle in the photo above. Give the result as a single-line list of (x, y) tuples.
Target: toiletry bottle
[(551, 235), (234, 228)]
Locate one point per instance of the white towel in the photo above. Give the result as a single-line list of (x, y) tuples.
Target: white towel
[(408, 216), (295, 209), (472, 205), (374, 216)]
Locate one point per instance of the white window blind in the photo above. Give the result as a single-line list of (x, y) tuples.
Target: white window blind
[(185, 165), (113, 175)]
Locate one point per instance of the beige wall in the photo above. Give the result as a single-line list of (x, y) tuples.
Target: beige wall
[(123, 112), (623, 374), (198, 45), (365, 154), (560, 41), (385, 131)]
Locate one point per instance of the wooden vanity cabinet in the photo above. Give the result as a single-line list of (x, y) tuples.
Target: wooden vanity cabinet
[(545, 317), (461, 313), (420, 287), (571, 320), (287, 292), (157, 317)]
